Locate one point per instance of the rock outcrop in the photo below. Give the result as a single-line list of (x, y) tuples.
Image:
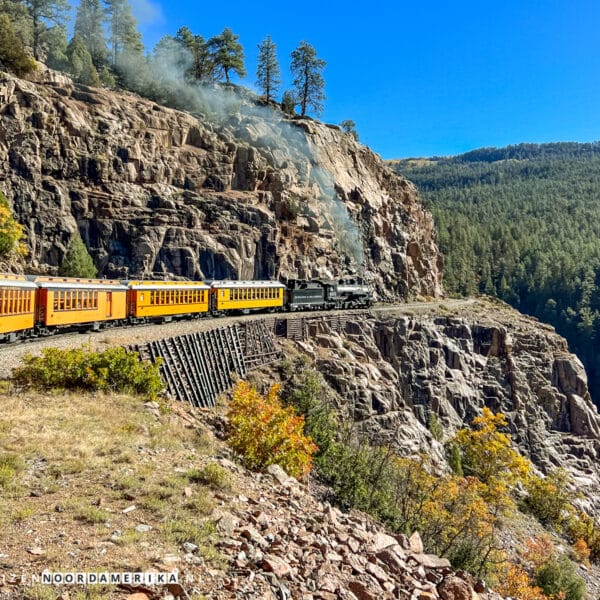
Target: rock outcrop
[(244, 194), (391, 372)]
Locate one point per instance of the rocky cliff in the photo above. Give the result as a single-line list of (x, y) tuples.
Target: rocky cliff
[(390, 372), (243, 193)]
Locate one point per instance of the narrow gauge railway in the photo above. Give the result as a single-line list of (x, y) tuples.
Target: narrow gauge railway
[(36, 306)]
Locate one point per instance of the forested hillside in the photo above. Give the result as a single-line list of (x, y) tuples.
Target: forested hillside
[(523, 223)]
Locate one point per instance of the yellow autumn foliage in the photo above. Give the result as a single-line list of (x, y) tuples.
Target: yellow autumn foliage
[(11, 232), (487, 454), (265, 432)]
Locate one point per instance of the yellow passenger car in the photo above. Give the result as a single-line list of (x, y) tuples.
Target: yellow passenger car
[(66, 301), (17, 305), (246, 296), (153, 300)]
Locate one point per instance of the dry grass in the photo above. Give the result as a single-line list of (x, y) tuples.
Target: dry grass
[(71, 465)]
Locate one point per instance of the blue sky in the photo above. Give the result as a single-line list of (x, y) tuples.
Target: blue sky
[(423, 79)]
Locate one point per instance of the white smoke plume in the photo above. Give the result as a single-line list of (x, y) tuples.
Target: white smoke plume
[(277, 139)]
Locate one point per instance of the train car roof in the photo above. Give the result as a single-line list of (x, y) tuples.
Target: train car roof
[(226, 283), (11, 280), (69, 283), (167, 285)]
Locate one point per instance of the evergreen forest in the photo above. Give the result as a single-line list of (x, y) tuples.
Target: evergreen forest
[(522, 223)]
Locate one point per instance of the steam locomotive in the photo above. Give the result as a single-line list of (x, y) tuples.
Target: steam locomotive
[(32, 306)]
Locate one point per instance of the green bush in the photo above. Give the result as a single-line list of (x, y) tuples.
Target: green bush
[(114, 369), (307, 398), (211, 474), (549, 498), (557, 578)]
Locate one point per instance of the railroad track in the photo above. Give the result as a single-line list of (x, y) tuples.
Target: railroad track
[(11, 354)]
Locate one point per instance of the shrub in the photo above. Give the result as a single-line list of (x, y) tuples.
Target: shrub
[(517, 584), (557, 577), (266, 433), (307, 398), (487, 453), (11, 232), (212, 474), (454, 458), (10, 465), (435, 427), (114, 369), (549, 498), (581, 551)]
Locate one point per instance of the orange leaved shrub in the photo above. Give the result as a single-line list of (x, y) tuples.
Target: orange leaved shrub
[(265, 432)]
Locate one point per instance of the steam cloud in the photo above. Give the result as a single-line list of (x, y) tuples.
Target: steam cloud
[(280, 142)]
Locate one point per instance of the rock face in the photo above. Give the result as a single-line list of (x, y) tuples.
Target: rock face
[(391, 373), (245, 194)]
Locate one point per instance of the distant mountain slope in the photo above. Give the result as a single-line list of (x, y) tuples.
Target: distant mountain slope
[(523, 223)]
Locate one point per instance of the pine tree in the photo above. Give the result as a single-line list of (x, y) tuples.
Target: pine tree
[(308, 81), (88, 25), (12, 53), (349, 126), (80, 62), (288, 102), (268, 74), (124, 36), (19, 18), (78, 262), (55, 41), (42, 12), (228, 53), (202, 64)]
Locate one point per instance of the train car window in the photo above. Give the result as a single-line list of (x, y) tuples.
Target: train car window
[(95, 300), (2, 311)]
